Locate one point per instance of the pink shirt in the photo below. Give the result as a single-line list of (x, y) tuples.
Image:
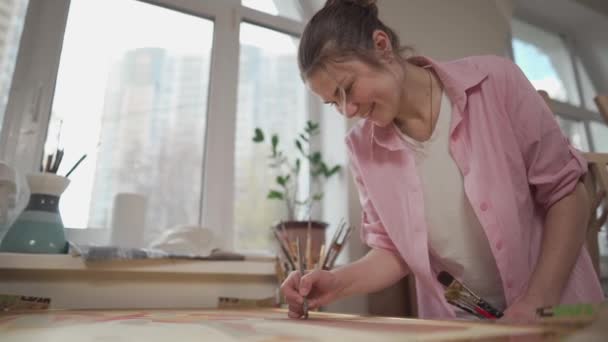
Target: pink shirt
[(515, 163)]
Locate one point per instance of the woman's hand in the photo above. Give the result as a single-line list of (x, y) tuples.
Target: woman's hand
[(320, 288), (523, 311), (378, 269)]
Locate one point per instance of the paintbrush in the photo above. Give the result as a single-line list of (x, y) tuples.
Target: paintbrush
[(301, 269), (318, 265), (457, 290), (285, 249), (76, 165), (570, 314), (57, 161), (339, 245), (309, 245), (332, 246), (456, 296), (568, 310)]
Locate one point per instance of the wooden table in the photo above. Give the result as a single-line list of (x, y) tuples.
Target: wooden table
[(249, 325)]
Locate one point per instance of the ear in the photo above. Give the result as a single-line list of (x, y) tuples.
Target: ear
[(382, 44)]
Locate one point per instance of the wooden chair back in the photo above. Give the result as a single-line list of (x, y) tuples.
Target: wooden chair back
[(602, 105), (596, 182)]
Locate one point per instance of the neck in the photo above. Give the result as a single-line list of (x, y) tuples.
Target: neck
[(416, 94), (416, 112)]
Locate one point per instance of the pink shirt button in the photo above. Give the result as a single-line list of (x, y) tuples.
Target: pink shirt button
[(499, 245), (484, 206), (509, 284), (465, 170)]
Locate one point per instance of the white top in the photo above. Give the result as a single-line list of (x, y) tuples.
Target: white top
[(455, 234)]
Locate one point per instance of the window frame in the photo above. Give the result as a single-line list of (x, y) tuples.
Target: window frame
[(567, 111), (35, 77)]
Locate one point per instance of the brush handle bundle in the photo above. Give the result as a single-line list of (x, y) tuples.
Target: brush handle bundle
[(459, 295)]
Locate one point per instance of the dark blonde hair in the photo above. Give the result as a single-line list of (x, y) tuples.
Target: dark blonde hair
[(343, 30)]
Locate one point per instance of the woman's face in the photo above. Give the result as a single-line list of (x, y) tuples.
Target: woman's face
[(357, 89)]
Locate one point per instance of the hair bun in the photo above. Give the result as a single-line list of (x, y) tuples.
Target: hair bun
[(367, 4)]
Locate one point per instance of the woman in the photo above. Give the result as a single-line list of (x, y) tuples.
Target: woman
[(460, 167)]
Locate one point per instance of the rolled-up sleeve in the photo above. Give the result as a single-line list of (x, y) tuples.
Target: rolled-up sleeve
[(553, 166), (372, 230)]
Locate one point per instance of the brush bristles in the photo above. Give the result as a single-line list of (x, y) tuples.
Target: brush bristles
[(445, 278)]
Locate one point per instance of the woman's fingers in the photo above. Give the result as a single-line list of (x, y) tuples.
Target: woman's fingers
[(293, 315), (290, 288), (323, 299), (295, 311), (308, 280), (317, 286)]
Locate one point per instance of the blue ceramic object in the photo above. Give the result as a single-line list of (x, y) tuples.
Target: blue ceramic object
[(39, 228)]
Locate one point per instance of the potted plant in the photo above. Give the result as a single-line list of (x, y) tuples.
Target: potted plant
[(287, 169)]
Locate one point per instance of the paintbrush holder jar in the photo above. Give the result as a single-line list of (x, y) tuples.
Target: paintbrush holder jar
[(39, 228)]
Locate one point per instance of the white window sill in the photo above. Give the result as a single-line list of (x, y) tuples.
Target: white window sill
[(153, 283), (252, 265)]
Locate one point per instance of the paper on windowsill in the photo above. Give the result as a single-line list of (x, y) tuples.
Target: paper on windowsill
[(104, 253)]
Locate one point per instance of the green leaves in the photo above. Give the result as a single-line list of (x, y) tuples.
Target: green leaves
[(311, 128), (287, 170), (274, 194), (298, 166), (334, 170), (283, 180), (258, 136), (275, 142)]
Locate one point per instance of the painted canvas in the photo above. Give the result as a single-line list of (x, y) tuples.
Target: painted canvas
[(269, 325)]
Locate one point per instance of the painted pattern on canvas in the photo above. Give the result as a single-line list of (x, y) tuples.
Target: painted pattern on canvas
[(269, 325)]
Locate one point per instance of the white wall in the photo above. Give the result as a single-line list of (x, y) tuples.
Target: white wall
[(450, 29), (592, 47)]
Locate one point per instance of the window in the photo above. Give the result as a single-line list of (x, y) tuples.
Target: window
[(544, 59), (575, 131), (548, 62), (285, 8), (587, 87), (599, 131), (12, 17), (134, 99), (165, 108), (270, 96)]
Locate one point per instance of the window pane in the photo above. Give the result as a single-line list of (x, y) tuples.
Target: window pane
[(134, 98), (588, 89), (12, 17), (544, 59), (284, 8), (599, 133), (575, 131), (270, 96)]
